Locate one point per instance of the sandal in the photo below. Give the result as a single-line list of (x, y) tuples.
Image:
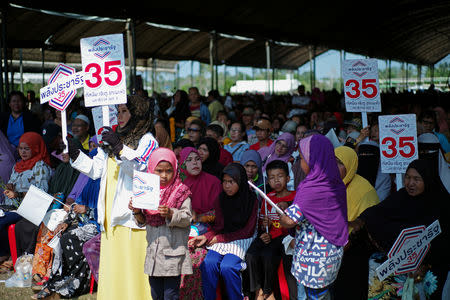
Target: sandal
[(42, 294)]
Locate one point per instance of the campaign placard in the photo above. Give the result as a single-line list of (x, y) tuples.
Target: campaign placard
[(398, 142), (409, 250), (35, 204), (103, 63), (361, 86), (145, 190)]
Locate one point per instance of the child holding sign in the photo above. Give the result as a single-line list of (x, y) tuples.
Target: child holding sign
[(264, 255), (320, 210), (167, 228)]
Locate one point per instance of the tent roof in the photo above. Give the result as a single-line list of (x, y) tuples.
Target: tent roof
[(414, 31)]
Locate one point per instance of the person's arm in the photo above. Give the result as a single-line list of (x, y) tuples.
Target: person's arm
[(182, 216), (92, 167), (292, 217), (138, 159)]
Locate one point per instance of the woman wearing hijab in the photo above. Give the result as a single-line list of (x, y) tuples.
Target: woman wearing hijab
[(167, 256), (66, 185), (251, 160), (369, 167), (422, 201), (360, 196), (127, 149), (430, 148), (79, 226), (320, 210), (205, 190), (209, 151), (32, 169), (231, 235)]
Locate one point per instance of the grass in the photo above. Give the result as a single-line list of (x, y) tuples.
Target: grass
[(26, 293)]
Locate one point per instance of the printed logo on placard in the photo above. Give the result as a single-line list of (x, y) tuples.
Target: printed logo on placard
[(360, 69), (140, 186), (62, 98), (397, 120), (101, 48)]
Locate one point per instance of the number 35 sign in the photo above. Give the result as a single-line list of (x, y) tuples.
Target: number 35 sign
[(398, 142), (104, 70), (362, 93)]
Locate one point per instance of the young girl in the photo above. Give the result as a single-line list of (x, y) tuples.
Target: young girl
[(231, 235), (167, 228), (320, 209)]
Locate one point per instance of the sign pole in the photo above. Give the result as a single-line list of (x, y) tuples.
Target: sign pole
[(398, 180), (64, 130), (105, 113)]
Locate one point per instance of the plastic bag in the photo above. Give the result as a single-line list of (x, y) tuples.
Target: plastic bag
[(22, 276)]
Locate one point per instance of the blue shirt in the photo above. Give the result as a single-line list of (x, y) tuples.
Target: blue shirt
[(15, 130), (237, 150)]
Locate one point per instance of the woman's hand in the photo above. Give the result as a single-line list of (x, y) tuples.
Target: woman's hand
[(165, 212), (130, 207), (265, 237), (197, 241), (287, 222), (10, 194), (80, 209), (265, 222), (212, 241), (61, 228)]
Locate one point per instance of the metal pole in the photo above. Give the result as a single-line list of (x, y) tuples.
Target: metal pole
[(153, 75), (407, 76), (216, 59), (211, 58), (273, 80), (178, 76), (5, 53), (432, 74), (389, 71), (314, 60), (131, 54), (224, 79), (21, 69), (341, 60), (311, 67), (268, 65), (419, 76), (43, 66), (192, 73)]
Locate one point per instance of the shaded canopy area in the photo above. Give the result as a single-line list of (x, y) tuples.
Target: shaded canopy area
[(60, 34), (414, 31)]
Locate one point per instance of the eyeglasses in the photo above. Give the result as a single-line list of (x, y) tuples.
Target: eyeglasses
[(194, 129)]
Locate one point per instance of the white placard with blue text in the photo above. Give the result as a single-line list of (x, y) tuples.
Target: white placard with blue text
[(145, 190), (103, 63), (398, 142), (361, 86)]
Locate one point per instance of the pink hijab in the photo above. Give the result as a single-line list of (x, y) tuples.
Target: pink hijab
[(172, 194), (205, 187)]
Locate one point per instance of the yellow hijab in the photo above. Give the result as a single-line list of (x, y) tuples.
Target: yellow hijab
[(360, 193)]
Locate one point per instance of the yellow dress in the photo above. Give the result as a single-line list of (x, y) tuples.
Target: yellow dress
[(122, 254)]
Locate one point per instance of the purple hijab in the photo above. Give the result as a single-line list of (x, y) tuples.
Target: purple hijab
[(268, 153), (321, 196)]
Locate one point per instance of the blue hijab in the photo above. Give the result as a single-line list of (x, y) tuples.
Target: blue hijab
[(252, 155)]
